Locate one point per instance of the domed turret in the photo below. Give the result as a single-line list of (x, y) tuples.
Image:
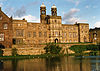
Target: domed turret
[(42, 13), (53, 6), (54, 10), (43, 5)]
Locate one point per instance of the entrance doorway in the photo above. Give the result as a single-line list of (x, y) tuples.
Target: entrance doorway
[(2, 46), (56, 40)]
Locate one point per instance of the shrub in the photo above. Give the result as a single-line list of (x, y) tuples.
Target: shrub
[(1, 52), (14, 52), (52, 48), (81, 48)]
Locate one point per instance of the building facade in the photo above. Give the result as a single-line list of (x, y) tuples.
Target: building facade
[(50, 29), (95, 35), (5, 30)]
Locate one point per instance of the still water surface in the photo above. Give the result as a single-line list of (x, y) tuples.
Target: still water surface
[(52, 64)]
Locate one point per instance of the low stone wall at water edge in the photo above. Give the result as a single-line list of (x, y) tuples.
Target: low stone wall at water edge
[(24, 51), (37, 49)]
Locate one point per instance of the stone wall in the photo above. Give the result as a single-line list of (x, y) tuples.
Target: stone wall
[(24, 51), (37, 49)]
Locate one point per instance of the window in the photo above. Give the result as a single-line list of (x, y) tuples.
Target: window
[(5, 26), (40, 34), (39, 27), (53, 13), (43, 12), (70, 41), (74, 35), (85, 31), (1, 37), (64, 34), (55, 21), (0, 17), (66, 28), (45, 34), (19, 24), (19, 33), (56, 33), (19, 41), (59, 33), (34, 34), (82, 27), (86, 26), (70, 35), (29, 34), (14, 41)]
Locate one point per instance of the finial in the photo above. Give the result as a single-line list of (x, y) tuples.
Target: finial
[(0, 8), (42, 3), (23, 18)]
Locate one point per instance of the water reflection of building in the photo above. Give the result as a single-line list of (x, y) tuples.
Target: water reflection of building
[(95, 35), (49, 64)]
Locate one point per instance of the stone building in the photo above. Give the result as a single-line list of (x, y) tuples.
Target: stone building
[(95, 35), (50, 29), (5, 30)]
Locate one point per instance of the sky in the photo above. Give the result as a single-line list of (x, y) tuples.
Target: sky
[(71, 11)]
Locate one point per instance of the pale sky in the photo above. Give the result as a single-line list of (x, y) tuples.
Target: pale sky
[(85, 11)]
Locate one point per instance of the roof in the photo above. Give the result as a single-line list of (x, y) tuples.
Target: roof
[(69, 25), (82, 23)]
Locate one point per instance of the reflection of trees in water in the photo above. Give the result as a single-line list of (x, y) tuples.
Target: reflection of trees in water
[(95, 65), (14, 64), (81, 63), (1, 65), (52, 63)]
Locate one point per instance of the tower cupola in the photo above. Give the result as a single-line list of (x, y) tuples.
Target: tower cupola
[(54, 10), (42, 13), (43, 5), (53, 6)]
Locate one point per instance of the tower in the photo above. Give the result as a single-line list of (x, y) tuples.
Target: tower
[(54, 10), (42, 13)]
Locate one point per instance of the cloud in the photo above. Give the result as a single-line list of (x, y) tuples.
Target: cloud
[(1, 4), (87, 6), (2, 0), (29, 18), (97, 24), (20, 12), (76, 2), (70, 16), (94, 6), (33, 3), (94, 17), (10, 11)]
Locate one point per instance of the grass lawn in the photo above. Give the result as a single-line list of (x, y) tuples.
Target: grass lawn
[(31, 56)]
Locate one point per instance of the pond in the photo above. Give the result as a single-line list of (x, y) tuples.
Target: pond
[(88, 63)]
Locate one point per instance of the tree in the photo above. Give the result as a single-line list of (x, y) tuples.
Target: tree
[(52, 48), (14, 52)]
